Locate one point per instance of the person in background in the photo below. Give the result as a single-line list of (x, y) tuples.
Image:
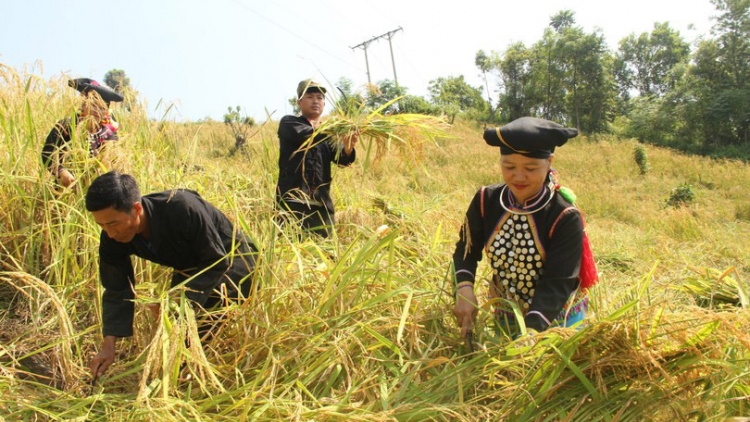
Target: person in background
[(175, 228), (95, 118), (304, 184), (531, 232)]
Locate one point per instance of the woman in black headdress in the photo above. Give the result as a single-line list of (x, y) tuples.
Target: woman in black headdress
[(531, 232), (94, 116)]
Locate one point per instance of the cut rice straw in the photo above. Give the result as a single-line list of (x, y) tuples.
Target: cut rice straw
[(406, 132)]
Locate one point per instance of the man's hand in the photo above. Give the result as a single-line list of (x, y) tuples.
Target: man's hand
[(466, 308), (350, 141), (106, 356)]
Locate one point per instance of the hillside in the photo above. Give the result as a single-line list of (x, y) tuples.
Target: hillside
[(359, 327)]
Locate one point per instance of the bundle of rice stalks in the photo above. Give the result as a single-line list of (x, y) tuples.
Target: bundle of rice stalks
[(715, 289), (378, 132), (383, 205)]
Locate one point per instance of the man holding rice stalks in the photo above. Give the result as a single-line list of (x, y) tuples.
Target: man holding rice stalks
[(305, 157), (94, 116), (175, 228), (532, 233)]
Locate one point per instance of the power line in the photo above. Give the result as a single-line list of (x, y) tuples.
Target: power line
[(295, 35)]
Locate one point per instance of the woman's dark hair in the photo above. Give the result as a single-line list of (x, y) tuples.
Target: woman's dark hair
[(113, 189)]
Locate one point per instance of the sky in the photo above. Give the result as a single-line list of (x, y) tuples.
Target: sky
[(201, 57)]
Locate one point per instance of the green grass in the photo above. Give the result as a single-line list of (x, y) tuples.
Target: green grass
[(359, 327)]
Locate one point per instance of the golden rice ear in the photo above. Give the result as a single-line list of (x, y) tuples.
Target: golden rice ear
[(94, 97), (94, 105)]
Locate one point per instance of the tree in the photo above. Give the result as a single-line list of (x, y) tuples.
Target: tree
[(591, 89), (564, 77), (514, 68), (705, 106), (563, 19), (548, 70), (346, 99), (722, 66), (383, 92), (240, 127), (710, 104), (117, 80), (550, 78), (569, 77), (644, 63), (295, 107), (733, 31), (454, 96), (417, 105), (484, 63)]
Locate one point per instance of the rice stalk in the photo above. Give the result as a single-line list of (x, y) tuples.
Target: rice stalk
[(712, 288), (380, 133)]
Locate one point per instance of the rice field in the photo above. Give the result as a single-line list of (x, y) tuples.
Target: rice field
[(359, 327)]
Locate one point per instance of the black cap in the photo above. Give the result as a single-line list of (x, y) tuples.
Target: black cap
[(529, 136), (84, 85)]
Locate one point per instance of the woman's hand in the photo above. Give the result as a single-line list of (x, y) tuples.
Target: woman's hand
[(106, 356), (465, 309), (65, 178)]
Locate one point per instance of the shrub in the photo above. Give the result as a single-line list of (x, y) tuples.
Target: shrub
[(240, 127), (641, 158), (681, 195), (743, 212)]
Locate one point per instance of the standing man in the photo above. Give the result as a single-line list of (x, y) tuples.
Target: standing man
[(175, 228), (304, 182)]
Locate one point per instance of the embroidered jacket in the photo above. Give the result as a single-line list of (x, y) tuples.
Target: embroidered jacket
[(60, 136), (535, 250)]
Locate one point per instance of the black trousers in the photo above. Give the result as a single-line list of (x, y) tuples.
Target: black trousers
[(238, 279), (315, 219)]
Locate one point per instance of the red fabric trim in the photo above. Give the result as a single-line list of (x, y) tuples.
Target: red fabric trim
[(552, 229), (588, 276), (481, 202)]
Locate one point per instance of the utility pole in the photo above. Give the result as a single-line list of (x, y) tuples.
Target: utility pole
[(365, 44), (367, 62), (390, 34)]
